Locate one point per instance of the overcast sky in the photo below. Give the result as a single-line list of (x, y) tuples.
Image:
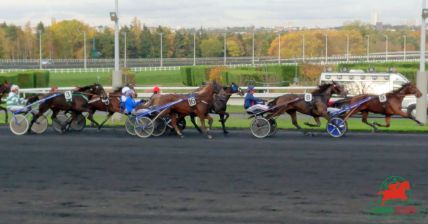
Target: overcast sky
[(213, 13)]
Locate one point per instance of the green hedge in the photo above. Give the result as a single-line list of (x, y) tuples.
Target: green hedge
[(28, 79), (284, 74), (194, 76)]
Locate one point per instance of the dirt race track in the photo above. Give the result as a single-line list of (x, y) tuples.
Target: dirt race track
[(111, 177)]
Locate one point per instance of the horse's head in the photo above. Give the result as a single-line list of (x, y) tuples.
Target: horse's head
[(216, 88), (330, 89), (410, 89), (96, 89), (234, 88), (5, 87)]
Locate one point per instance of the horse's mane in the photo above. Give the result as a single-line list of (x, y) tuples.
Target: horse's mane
[(321, 88), (118, 90), (405, 85), (84, 88)]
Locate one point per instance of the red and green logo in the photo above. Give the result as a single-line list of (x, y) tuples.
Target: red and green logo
[(395, 199)]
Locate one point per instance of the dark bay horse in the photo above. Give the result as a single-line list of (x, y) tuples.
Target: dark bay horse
[(79, 103), (392, 106), (204, 100), (219, 106), (292, 103), (4, 90)]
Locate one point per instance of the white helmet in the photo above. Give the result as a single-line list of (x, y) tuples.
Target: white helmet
[(125, 89), (130, 92), (14, 88)]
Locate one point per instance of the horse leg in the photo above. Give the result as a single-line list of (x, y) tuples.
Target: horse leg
[(318, 123), (365, 121), (223, 121), (203, 127), (411, 117), (192, 119), (387, 122), (293, 116), (107, 118), (174, 125), (210, 122)]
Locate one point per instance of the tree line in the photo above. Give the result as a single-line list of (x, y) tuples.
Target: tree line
[(64, 40)]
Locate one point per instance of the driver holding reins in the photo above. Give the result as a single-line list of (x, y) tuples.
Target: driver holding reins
[(13, 101), (252, 103)]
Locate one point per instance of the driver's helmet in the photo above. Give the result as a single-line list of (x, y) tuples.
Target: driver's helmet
[(156, 89), (130, 92), (250, 88), (14, 88), (125, 89)]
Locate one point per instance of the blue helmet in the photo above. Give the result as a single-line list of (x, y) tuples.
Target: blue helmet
[(250, 88)]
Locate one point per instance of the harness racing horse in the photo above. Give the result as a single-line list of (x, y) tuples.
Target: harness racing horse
[(110, 105), (292, 103), (219, 106), (203, 102), (392, 105), (4, 89), (79, 103)]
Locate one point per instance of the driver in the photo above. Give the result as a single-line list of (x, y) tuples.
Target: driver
[(253, 103), (13, 101), (130, 103)]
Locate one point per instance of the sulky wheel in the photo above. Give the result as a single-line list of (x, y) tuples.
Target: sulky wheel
[(19, 124), (273, 127), (260, 127), (59, 123), (79, 123), (160, 127), (40, 125), (130, 125), (337, 127), (144, 127)]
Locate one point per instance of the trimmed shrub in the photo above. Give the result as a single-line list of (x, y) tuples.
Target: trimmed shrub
[(41, 79), (26, 80)]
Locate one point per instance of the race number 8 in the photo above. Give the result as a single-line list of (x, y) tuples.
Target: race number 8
[(192, 101), (308, 97)]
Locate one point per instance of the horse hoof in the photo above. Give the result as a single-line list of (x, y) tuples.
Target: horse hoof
[(209, 137), (181, 136), (225, 132)]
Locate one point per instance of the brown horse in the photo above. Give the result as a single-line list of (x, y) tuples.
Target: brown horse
[(4, 89), (79, 103), (111, 106), (220, 106), (204, 99), (292, 103), (392, 106)]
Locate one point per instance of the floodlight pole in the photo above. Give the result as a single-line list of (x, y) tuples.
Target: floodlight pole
[(225, 50), (303, 48), (279, 48), (84, 51), (386, 47), (124, 50), (326, 48), (405, 47), (194, 48), (40, 50), (421, 78), (117, 75), (368, 48), (347, 48), (253, 49), (161, 49)]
